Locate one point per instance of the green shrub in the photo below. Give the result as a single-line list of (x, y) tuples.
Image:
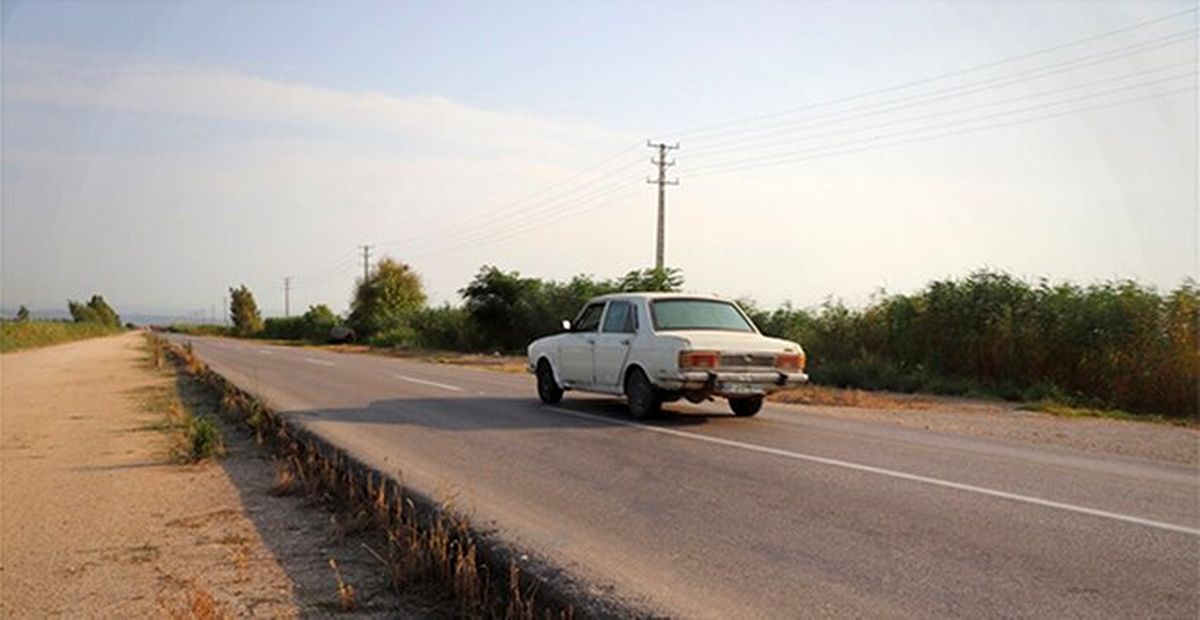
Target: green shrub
[(200, 329), (403, 337), (445, 328), (386, 300), (202, 439), (313, 325), (1111, 344)]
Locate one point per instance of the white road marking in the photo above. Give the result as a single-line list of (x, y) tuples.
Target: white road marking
[(318, 362), (452, 388), (265, 352), (970, 488)]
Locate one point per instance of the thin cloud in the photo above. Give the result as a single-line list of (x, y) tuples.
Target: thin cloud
[(65, 78)]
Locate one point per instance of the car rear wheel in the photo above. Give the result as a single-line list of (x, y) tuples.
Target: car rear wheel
[(644, 399), (746, 407), (548, 389)]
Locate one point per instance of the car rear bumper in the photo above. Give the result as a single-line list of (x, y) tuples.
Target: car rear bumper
[(731, 383)]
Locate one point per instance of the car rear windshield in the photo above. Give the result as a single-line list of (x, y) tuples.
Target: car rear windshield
[(703, 314)]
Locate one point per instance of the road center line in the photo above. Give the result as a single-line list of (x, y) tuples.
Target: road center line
[(265, 352), (318, 362), (958, 486), (452, 388)]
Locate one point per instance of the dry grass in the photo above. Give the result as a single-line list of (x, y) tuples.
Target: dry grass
[(840, 397), (196, 604), (15, 336), (347, 598), (427, 545), (1062, 410), (187, 418), (496, 363)]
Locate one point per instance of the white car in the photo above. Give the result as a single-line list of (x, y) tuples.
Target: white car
[(660, 347)]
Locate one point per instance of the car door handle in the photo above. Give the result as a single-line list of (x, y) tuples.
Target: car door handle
[(591, 341), (626, 342)]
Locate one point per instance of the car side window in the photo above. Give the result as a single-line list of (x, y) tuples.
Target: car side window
[(589, 319), (621, 318)]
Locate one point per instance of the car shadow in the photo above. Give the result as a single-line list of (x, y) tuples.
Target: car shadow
[(489, 413)]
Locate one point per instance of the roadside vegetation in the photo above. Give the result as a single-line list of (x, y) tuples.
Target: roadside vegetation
[(1107, 346), (421, 544), (189, 413), (89, 320), (1118, 348)]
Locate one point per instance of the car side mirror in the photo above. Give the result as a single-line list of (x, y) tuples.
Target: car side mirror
[(566, 325)]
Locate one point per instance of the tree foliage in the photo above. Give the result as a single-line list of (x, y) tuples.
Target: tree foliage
[(22, 314), (96, 310), (387, 300), (652, 280), (314, 325), (1116, 344), (506, 310), (243, 312)]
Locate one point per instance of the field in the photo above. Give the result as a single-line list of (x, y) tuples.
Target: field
[(15, 336)]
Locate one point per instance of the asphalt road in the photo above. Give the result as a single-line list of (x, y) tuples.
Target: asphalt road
[(789, 514)]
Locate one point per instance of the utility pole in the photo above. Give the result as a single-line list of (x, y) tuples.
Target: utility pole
[(366, 250), (287, 289), (662, 183), (225, 312)]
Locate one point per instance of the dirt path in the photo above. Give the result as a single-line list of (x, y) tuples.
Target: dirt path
[(95, 520)]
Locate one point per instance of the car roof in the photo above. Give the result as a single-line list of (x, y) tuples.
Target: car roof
[(653, 296)]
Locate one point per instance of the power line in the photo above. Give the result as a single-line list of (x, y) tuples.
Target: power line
[(525, 224), (538, 208), (934, 78), (945, 93), (499, 212), (540, 224), (953, 111), (795, 156)]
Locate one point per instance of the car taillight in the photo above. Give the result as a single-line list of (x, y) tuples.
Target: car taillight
[(699, 359), (790, 361)]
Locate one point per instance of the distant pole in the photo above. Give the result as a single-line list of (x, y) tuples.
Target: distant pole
[(225, 312), (287, 289), (366, 250), (662, 183)]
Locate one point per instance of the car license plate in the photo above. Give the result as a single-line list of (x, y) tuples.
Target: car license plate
[(740, 388)]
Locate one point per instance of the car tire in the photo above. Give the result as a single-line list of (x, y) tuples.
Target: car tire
[(644, 399), (746, 407), (547, 388)]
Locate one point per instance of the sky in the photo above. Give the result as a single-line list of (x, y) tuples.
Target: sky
[(158, 153)]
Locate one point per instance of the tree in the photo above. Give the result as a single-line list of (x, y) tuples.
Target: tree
[(386, 300), (104, 313), (96, 310), (22, 314), (501, 306), (243, 312), (81, 313), (666, 280)]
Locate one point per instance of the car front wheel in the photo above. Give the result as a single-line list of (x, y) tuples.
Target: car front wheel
[(746, 407), (548, 389), (644, 399)]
